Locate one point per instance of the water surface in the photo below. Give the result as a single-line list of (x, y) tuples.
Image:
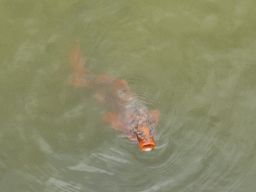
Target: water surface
[(195, 62)]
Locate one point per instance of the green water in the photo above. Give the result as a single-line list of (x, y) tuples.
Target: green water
[(195, 61)]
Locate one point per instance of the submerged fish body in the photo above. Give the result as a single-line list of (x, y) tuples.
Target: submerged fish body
[(129, 114)]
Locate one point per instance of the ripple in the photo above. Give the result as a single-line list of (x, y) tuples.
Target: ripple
[(144, 88)]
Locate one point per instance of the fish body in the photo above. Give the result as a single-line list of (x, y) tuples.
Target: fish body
[(129, 114)]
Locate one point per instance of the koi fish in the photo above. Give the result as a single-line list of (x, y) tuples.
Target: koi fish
[(129, 114)]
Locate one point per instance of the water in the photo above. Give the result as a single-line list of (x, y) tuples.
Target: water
[(195, 62)]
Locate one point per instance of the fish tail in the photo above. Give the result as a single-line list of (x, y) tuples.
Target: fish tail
[(82, 77)]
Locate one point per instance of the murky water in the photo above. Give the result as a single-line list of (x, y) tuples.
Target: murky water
[(194, 61)]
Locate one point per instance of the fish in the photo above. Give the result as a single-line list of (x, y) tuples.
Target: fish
[(128, 113)]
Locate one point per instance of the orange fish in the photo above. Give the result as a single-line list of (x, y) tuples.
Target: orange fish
[(129, 114)]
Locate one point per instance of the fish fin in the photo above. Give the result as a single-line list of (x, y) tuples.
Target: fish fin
[(122, 82), (114, 120), (134, 140), (155, 114), (131, 138), (104, 79), (78, 81), (109, 117), (81, 75)]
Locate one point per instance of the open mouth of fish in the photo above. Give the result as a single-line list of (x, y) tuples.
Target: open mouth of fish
[(147, 146)]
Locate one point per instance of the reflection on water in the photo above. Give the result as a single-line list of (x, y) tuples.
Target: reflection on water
[(193, 62)]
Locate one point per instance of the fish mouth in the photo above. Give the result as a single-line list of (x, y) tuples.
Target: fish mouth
[(147, 146)]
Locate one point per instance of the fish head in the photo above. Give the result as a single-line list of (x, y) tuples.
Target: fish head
[(143, 128), (146, 142), (143, 138), (145, 131)]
